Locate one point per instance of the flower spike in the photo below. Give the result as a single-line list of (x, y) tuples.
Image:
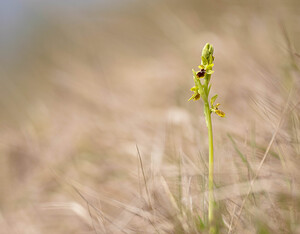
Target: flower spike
[(201, 90)]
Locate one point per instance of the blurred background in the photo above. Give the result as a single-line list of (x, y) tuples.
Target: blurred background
[(85, 85)]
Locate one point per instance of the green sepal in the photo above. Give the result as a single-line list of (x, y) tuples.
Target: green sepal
[(213, 99), (200, 87), (204, 60), (210, 66), (210, 59), (195, 75), (192, 97)]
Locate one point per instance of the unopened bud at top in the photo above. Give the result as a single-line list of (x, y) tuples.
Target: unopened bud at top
[(207, 54)]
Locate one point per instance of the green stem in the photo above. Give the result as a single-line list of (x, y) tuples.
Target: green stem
[(207, 113)]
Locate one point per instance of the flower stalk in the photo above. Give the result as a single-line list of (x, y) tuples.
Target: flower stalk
[(202, 90)]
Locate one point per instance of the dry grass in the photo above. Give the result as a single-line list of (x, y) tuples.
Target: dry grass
[(98, 86)]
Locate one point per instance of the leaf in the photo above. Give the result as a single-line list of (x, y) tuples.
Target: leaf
[(209, 72), (209, 88), (213, 99), (242, 156), (200, 224), (198, 84)]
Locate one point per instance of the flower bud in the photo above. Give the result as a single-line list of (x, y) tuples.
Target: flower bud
[(207, 54)]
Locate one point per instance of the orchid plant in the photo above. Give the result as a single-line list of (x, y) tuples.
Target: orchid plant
[(201, 91)]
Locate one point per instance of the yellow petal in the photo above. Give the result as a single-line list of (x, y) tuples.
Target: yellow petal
[(194, 89)]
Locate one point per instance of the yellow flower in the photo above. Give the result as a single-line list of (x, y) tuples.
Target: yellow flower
[(216, 107), (196, 95)]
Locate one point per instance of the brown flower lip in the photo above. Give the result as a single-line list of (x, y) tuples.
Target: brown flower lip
[(201, 73)]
